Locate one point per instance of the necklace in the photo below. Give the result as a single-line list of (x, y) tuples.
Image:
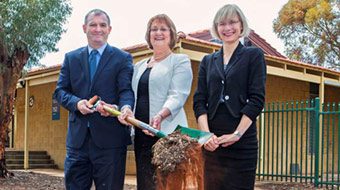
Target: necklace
[(161, 57), (155, 60)]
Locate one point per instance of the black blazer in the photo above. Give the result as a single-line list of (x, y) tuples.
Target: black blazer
[(112, 82), (241, 87)]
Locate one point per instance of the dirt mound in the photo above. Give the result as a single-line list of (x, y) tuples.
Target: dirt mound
[(179, 163)]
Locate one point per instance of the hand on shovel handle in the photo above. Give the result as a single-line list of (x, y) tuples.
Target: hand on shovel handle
[(92, 101), (201, 136), (136, 122)]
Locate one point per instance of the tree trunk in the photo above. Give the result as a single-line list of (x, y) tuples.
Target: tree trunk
[(5, 118), (10, 72)]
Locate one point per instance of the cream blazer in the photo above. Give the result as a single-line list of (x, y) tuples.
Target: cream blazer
[(169, 86)]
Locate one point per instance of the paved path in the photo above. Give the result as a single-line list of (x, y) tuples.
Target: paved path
[(129, 179)]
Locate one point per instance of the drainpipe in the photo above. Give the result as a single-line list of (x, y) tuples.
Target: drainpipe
[(26, 126)]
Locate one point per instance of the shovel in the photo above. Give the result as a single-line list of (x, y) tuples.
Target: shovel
[(200, 136), (136, 122)]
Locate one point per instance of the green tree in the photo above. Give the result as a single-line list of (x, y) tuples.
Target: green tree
[(28, 29), (311, 31)]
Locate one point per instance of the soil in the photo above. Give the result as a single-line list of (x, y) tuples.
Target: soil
[(170, 151), (179, 163), (33, 181)]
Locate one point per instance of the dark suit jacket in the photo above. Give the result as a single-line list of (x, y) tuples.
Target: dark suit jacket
[(112, 82), (241, 86)]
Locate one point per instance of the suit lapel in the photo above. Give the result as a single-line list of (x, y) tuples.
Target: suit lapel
[(84, 63), (104, 59), (234, 58), (218, 63)]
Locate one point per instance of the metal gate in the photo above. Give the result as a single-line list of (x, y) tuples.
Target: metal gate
[(299, 142)]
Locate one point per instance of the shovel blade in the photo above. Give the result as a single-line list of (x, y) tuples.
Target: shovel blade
[(201, 136)]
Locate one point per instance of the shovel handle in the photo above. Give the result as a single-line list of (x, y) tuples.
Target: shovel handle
[(92, 101), (135, 122)]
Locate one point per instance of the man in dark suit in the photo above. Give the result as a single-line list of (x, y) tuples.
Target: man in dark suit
[(96, 145)]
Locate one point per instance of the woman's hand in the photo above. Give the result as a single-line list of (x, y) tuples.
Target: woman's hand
[(212, 144), (155, 123), (227, 140)]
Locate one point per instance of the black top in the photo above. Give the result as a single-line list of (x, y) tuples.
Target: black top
[(143, 143), (142, 105)]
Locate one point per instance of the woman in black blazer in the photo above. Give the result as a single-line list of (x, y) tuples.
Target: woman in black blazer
[(229, 96)]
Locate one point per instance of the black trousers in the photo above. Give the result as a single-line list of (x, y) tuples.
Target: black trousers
[(146, 179), (106, 167)]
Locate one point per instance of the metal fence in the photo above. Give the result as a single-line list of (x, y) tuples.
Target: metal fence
[(299, 142)]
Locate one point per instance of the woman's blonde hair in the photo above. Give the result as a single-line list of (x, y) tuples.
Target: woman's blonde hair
[(169, 23), (226, 12)]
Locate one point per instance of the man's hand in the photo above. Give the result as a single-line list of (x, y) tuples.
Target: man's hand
[(83, 107), (102, 111), (126, 112)]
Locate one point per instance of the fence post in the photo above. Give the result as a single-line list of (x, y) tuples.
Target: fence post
[(317, 139)]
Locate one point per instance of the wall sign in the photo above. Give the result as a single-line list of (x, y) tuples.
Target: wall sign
[(31, 101), (55, 109)]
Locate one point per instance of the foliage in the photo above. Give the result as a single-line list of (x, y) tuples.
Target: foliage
[(28, 29), (311, 31), (33, 25)]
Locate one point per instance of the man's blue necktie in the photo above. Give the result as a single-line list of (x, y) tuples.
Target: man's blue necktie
[(93, 62)]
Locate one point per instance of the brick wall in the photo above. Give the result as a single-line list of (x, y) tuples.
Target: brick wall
[(43, 132), (332, 94), (284, 89), (189, 104)]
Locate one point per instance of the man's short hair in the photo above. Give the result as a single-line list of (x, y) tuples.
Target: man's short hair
[(97, 12)]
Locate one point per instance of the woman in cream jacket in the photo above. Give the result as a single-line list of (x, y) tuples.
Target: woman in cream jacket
[(161, 84)]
